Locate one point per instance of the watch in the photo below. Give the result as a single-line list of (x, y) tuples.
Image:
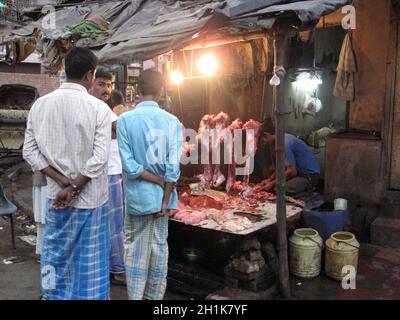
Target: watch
[(73, 185)]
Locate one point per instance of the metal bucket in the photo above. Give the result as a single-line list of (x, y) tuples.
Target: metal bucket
[(305, 253), (341, 250), (340, 204)]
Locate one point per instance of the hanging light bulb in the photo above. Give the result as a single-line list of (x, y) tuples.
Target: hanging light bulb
[(275, 80), (176, 77), (208, 65), (307, 82)]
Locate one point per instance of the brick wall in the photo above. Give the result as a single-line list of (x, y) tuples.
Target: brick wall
[(44, 83)]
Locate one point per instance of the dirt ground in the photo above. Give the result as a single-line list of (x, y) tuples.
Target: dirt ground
[(378, 274)]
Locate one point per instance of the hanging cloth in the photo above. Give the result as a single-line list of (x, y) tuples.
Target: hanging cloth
[(346, 69)]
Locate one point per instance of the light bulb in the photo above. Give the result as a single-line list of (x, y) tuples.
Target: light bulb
[(275, 81), (208, 65), (176, 77)]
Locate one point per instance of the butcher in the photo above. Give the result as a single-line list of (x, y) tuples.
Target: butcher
[(302, 170)]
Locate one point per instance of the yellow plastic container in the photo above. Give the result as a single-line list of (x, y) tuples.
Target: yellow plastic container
[(342, 249), (305, 253)]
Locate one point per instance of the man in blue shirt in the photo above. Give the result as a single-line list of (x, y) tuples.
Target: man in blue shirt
[(150, 141), (302, 170)]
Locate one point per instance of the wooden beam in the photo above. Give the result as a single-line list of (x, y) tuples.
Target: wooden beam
[(280, 47), (333, 19), (208, 43)]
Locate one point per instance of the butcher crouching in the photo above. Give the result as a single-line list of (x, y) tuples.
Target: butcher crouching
[(302, 170)]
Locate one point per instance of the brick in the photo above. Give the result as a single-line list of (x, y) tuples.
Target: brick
[(232, 282), (271, 257), (247, 266), (386, 232), (254, 255), (251, 243), (44, 83), (251, 285), (243, 276)]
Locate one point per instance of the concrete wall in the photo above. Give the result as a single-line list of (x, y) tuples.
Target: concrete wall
[(44, 83), (371, 44)]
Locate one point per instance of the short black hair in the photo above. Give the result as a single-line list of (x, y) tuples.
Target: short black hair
[(150, 82), (102, 73), (268, 126), (117, 98), (78, 62)]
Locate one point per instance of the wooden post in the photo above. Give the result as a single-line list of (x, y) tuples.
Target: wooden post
[(280, 41)]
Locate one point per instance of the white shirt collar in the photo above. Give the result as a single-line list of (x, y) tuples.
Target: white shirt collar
[(73, 86)]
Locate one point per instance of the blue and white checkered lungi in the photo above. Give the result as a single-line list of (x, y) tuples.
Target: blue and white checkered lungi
[(75, 256), (146, 256), (116, 216)]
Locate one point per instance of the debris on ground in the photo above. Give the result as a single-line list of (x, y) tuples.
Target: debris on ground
[(31, 239), (12, 260)]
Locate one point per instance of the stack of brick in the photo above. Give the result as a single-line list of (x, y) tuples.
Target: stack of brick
[(247, 269)]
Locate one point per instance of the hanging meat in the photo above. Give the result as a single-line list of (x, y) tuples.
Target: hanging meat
[(206, 123), (221, 121), (235, 125), (251, 146)]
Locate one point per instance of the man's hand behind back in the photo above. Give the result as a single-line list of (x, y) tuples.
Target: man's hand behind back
[(64, 197)]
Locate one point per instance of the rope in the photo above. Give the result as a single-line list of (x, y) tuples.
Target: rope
[(319, 245), (347, 244)]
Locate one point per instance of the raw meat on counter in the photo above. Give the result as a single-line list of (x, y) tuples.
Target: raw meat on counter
[(189, 216), (217, 209), (204, 202), (237, 224)]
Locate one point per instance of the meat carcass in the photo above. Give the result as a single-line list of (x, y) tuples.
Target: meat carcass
[(206, 123), (235, 125), (251, 146), (221, 121)]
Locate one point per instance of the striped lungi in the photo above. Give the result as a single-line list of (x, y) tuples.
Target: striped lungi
[(116, 216), (75, 256), (146, 256), (39, 196)]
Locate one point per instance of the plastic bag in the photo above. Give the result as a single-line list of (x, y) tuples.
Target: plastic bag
[(312, 105)]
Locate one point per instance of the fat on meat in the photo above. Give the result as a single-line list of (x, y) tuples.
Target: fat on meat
[(221, 121), (251, 146), (206, 123), (235, 125)]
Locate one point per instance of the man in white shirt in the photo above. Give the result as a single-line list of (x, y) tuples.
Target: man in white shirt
[(67, 138), (102, 89)]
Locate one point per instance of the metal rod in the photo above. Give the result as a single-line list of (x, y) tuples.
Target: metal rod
[(12, 231)]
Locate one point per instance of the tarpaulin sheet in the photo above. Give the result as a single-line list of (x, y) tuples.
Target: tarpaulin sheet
[(160, 26), (141, 29)]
